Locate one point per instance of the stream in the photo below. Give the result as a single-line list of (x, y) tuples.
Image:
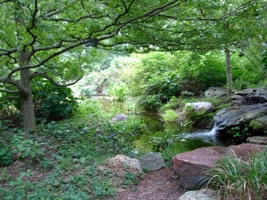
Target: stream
[(168, 138)]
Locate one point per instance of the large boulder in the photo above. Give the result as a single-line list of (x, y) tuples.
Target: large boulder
[(199, 106), (248, 105), (215, 92), (241, 115), (191, 166), (250, 96)]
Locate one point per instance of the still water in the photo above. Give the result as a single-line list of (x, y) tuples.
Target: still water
[(169, 138)]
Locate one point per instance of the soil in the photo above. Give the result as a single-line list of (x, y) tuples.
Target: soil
[(158, 185)]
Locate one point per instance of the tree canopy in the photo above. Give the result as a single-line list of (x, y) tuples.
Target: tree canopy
[(54, 39)]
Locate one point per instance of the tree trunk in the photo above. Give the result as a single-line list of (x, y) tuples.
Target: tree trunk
[(228, 71), (29, 123)]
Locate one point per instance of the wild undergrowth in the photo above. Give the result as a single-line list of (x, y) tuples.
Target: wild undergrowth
[(63, 162), (234, 178)]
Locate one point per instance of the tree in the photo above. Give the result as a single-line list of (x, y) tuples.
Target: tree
[(46, 39), (204, 25)]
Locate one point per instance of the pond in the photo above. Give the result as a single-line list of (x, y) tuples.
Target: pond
[(169, 138)]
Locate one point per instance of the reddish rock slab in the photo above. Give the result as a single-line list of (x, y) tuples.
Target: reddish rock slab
[(245, 150), (190, 166)]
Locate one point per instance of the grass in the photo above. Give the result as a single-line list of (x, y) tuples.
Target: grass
[(63, 163), (234, 178)]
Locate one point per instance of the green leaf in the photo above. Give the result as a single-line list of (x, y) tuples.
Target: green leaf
[(21, 148)]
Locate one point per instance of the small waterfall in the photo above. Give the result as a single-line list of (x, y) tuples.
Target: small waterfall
[(213, 131), (208, 135)]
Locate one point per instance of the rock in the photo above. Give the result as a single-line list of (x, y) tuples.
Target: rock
[(190, 166), (123, 164), (259, 124), (238, 99), (119, 117), (215, 92), (199, 195), (250, 96), (152, 161), (257, 140), (249, 105), (227, 118), (243, 151), (199, 106)]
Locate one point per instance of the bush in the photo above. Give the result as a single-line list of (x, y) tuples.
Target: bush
[(234, 178), (9, 105), (200, 118), (5, 155), (150, 102), (203, 70), (27, 148), (170, 115), (118, 92), (53, 102)]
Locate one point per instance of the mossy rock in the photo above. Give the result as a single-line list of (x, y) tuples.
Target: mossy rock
[(259, 124)]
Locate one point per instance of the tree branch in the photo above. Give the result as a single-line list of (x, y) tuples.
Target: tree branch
[(15, 83), (43, 74), (8, 51), (10, 91), (154, 12), (32, 23)]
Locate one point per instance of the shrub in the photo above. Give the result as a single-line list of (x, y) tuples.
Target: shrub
[(173, 103), (118, 92), (5, 155), (197, 118), (150, 102), (170, 115), (53, 102), (27, 148), (9, 105), (234, 178), (199, 71)]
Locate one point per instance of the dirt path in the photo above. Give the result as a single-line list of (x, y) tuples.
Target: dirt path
[(157, 185)]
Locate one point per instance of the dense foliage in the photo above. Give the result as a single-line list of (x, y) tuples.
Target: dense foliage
[(61, 41), (53, 102), (46, 38), (67, 155), (234, 178), (156, 77)]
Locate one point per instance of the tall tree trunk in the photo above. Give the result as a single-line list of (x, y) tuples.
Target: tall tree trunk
[(228, 71), (29, 123)]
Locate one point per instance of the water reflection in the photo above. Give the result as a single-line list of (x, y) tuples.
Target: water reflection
[(168, 138), (171, 138)]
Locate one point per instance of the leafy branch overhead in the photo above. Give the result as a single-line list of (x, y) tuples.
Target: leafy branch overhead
[(51, 38)]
